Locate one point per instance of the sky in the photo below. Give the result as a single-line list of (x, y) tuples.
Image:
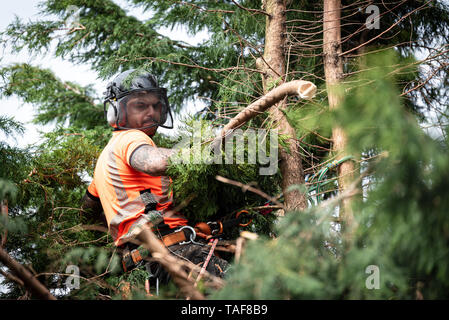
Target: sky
[(27, 10)]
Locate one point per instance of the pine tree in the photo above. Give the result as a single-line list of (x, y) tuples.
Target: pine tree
[(401, 236), (229, 70)]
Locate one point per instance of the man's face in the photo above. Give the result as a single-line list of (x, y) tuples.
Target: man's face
[(144, 109)]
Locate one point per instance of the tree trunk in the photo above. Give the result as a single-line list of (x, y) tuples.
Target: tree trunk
[(333, 69), (273, 64)]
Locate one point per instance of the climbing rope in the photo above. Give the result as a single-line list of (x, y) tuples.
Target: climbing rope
[(214, 244), (320, 174)]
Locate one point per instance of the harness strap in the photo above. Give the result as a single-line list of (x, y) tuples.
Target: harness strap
[(202, 229), (133, 257)]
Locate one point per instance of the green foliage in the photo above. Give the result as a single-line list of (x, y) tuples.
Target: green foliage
[(9, 126), (194, 176), (402, 222), (56, 101), (6, 189)]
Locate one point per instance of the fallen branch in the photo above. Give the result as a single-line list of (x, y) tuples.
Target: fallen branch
[(28, 279)]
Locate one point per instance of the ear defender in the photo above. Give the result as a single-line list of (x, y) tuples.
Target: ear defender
[(111, 114)]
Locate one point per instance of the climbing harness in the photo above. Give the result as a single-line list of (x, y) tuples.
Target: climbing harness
[(208, 233)]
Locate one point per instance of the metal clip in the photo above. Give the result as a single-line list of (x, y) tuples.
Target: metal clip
[(192, 235)]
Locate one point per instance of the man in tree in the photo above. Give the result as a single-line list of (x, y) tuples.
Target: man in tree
[(129, 184)]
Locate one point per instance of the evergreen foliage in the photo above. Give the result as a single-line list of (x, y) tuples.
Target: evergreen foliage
[(402, 220), (10, 158), (194, 176)]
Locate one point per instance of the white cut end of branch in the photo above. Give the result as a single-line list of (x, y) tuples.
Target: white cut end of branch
[(306, 90)]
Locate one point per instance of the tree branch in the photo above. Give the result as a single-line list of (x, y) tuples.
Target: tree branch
[(28, 279), (305, 89), (12, 277)]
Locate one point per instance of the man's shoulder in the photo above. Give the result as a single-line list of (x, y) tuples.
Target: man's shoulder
[(124, 143), (128, 132), (131, 135)]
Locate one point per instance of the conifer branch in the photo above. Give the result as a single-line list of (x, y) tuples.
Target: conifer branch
[(204, 10), (195, 66), (28, 279), (385, 31)]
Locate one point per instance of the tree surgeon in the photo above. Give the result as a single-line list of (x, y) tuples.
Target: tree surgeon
[(130, 185)]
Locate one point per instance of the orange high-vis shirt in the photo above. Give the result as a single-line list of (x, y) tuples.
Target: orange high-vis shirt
[(129, 196)]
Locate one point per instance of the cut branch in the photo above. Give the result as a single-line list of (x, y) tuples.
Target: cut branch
[(246, 187), (303, 89)]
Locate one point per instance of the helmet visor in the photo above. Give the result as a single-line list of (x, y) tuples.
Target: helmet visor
[(144, 109)]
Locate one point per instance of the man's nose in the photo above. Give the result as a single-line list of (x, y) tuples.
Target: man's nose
[(151, 110)]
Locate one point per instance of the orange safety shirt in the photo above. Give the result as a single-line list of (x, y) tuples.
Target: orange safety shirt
[(127, 195)]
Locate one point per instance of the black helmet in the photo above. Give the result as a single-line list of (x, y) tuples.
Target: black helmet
[(125, 84)]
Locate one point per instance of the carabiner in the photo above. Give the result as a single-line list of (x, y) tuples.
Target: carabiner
[(192, 235), (238, 215)]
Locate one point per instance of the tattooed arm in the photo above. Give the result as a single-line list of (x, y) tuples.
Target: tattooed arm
[(151, 160)]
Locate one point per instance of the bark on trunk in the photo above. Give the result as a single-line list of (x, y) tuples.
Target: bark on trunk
[(273, 64), (333, 69)]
